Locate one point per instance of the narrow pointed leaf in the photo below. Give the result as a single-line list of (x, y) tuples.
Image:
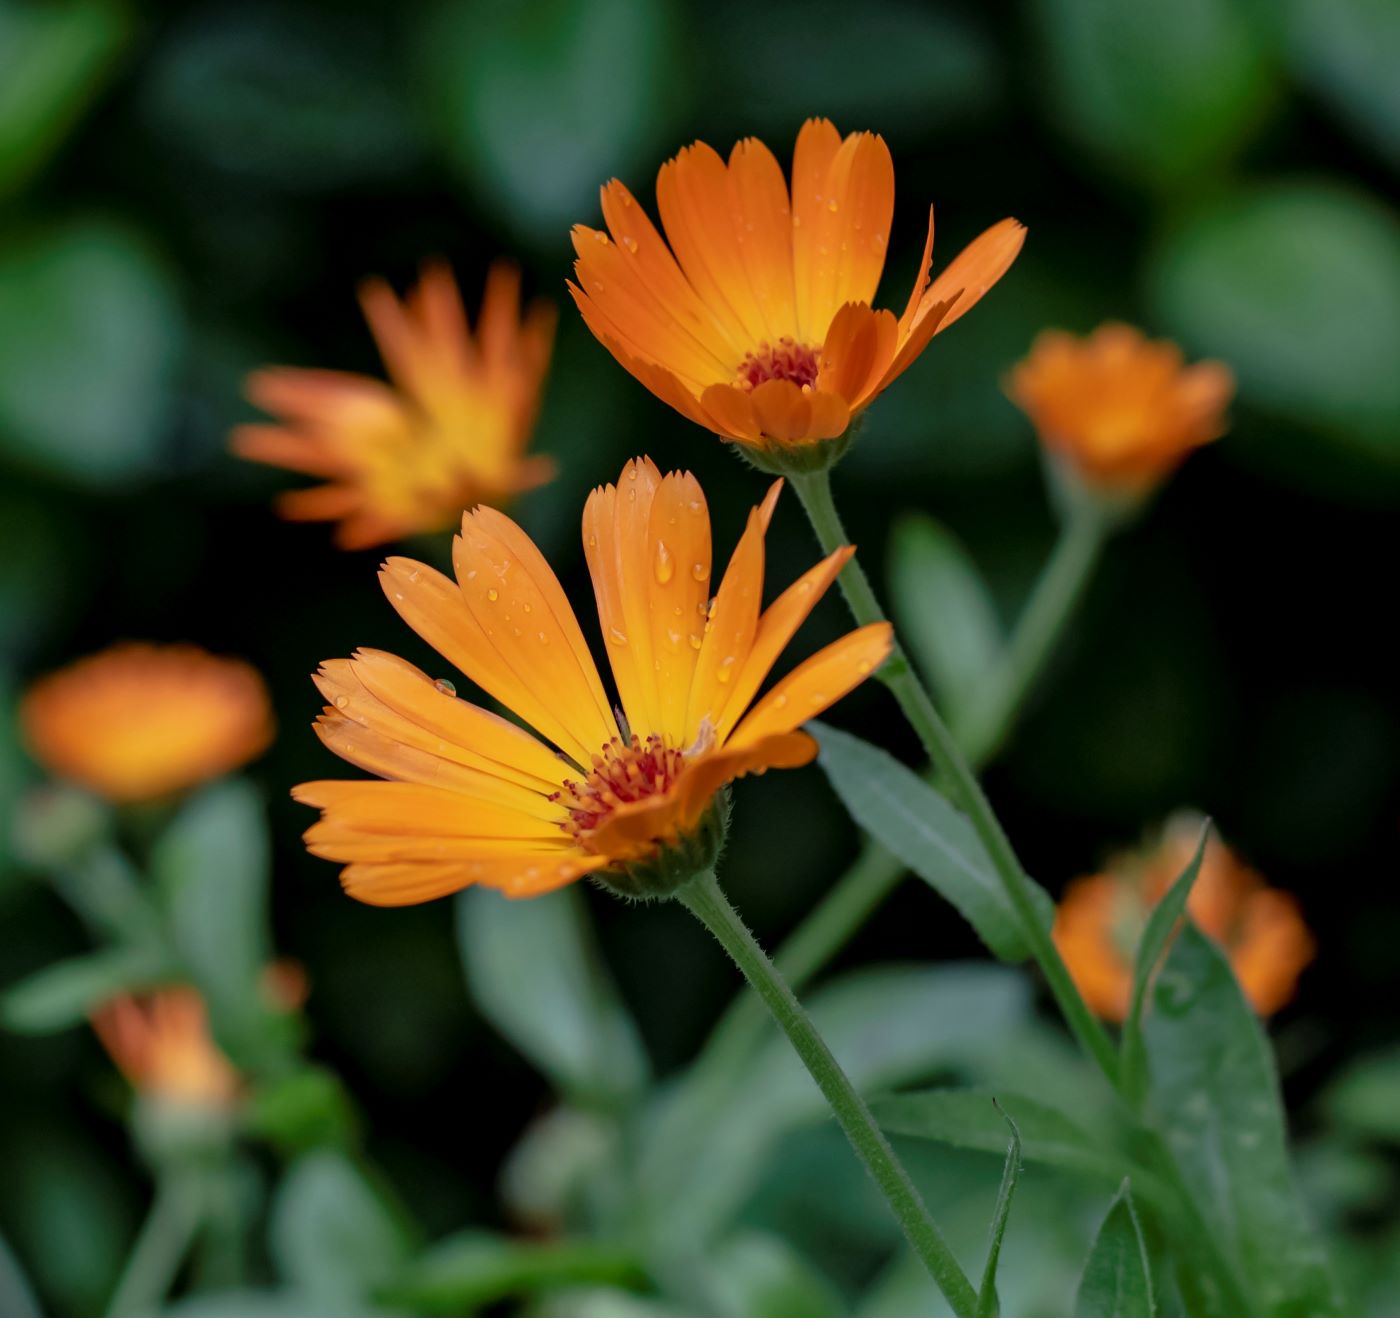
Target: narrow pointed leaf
[(1155, 936), (944, 608), (987, 1304), (536, 976), (934, 839), (64, 994), (1117, 1280), (1213, 1092)]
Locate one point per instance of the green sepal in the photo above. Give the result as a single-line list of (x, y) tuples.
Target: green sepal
[(806, 459), (675, 863)]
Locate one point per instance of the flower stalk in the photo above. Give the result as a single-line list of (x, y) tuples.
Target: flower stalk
[(705, 900), (942, 749)]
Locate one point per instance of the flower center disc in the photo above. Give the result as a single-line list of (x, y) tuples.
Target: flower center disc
[(786, 360), (625, 772)]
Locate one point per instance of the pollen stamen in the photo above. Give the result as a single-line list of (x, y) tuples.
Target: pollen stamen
[(624, 773), (785, 360)]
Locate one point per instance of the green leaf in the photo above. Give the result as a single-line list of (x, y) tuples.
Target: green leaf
[(476, 1268), (1348, 51), (64, 994), (945, 611), (1117, 1281), (539, 102), (1161, 924), (266, 1304), (1297, 287), (598, 1302), (1213, 1092), (54, 58), (16, 1298), (212, 867), (330, 1232), (903, 813), (86, 301), (759, 1276), (987, 1304), (536, 976), (1158, 92), (302, 1109), (968, 1119), (1365, 1098)]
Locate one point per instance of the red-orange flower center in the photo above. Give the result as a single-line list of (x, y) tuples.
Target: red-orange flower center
[(625, 773), (787, 360)]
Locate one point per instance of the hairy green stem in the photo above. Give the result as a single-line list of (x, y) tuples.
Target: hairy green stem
[(704, 899), (899, 676), (160, 1248)]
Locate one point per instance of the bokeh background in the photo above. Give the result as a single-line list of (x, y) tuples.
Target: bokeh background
[(187, 192)]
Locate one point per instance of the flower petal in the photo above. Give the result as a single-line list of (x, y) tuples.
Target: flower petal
[(816, 684), (817, 145), (859, 347), (789, 414), (974, 270), (759, 199)]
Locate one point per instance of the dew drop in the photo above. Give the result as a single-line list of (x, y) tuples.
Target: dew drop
[(701, 572), (528, 608), (593, 542), (544, 640), (616, 636), (446, 687), (695, 641), (665, 565), (630, 243), (493, 595), (779, 702), (832, 206), (341, 701), (726, 669)]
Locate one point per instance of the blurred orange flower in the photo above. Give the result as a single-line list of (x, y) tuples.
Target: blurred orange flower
[(756, 320), (1101, 918), (450, 431), (1120, 409), (473, 798), (161, 1043), (138, 722)]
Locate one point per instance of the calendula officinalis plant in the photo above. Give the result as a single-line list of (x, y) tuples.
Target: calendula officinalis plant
[(751, 311)]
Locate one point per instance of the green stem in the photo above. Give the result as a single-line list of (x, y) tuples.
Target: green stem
[(703, 898), (898, 675), (160, 1249), (1057, 592)]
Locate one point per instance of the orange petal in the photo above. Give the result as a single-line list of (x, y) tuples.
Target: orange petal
[(789, 414), (758, 195), (729, 412), (817, 145), (858, 350), (776, 628), (816, 684), (852, 227), (906, 321), (293, 449), (975, 269), (406, 884)]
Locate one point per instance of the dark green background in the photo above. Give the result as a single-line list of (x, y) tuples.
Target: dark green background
[(189, 192)]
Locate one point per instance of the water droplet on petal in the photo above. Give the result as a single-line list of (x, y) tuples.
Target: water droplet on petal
[(528, 608), (695, 641), (665, 565), (701, 571), (630, 243), (341, 701), (446, 687), (493, 595), (616, 636), (544, 640), (832, 206)]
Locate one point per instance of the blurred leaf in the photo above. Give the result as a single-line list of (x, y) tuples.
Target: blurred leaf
[(565, 1160), (1297, 287), (273, 97), (85, 302), (535, 974), (540, 102), (945, 612), (968, 1119), (54, 58), (1161, 924), (1365, 1098), (935, 840), (14, 771), (266, 1304), (987, 1304), (906, 68), (303, 1109), (16, 1298), (330, 1233), (212, 866), (476, 1268), (759, 1276), (1348, 51), (1117, 1280), (600, 1303), (1158, 92), (1213, 1092), (64, 994)]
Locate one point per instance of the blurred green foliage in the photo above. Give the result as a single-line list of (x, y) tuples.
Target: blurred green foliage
[(190, 190)]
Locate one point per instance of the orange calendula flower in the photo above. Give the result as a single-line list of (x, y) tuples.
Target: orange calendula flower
[(753, 315), (1101, 918), (450, 430), (138, 722), (635, 798), (1117, 407), (162, 1044)]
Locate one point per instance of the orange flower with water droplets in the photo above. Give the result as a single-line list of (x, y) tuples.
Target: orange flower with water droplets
[(450, 429), (472, 798), (138, 722), (162, 1044), (1100, 920), (1120, 409), (753, 315)]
